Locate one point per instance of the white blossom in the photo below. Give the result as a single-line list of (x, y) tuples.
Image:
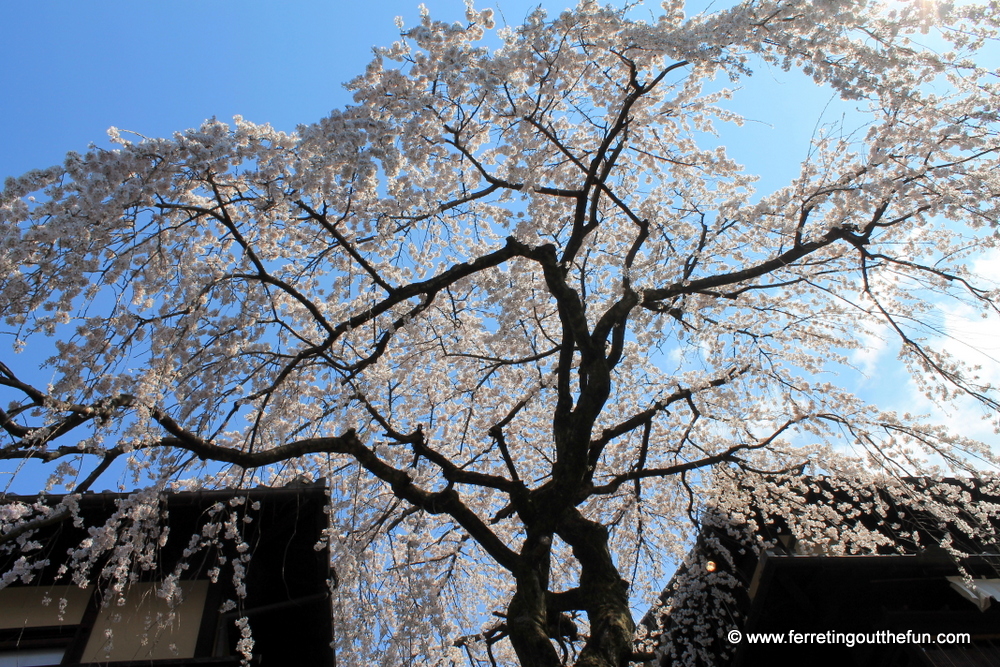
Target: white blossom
[(517, 307)]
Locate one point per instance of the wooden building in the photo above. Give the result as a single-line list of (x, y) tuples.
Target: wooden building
[(752, 593), (249, 565)]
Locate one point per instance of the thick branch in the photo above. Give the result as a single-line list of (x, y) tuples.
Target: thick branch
[(728, 455), (652, 297), (447, 501)]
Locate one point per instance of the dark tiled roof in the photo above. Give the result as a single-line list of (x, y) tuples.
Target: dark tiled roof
[(772, 551)]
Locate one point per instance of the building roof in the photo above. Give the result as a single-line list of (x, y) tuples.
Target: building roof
[(259, 554), (814, 554)]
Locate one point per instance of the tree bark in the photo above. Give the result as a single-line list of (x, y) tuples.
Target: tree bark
[(527, 613), (604, 592)]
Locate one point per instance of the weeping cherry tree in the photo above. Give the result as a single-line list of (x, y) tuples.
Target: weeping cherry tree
[(516, 306)]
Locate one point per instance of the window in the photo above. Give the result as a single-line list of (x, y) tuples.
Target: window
[(145, 627), (39, 623), (42, 625)]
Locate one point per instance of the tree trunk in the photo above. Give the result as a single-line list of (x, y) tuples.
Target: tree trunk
[(604, 592), (527, 614)]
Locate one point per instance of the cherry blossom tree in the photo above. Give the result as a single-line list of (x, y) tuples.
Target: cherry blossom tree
[(516, 306)]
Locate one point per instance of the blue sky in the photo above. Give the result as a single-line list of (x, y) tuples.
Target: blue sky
[(72, 69)]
